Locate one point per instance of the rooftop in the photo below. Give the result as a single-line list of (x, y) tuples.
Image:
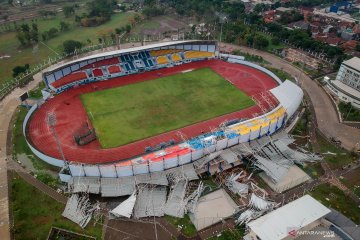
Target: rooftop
[(295, 215), (208, 212), (345, 88), (353, 63)]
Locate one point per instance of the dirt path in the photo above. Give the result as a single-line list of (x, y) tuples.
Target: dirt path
[(326, 115), (12, 165)]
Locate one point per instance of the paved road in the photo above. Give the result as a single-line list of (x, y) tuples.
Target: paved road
[(326, 115), (7, 107)]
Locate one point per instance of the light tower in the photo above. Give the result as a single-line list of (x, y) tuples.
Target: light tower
[(52, 122)]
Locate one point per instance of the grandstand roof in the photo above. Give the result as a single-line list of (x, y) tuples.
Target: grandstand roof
[(133, 49), (294, 215), (289, 96)]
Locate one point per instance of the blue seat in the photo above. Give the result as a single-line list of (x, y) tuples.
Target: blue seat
[(146, 63), (132, 66), (150, 62), (127, 67)]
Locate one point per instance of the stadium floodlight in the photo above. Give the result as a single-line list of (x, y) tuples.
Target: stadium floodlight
[(52, 122)]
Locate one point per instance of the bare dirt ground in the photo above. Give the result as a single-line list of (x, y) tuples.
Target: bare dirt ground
[(131, 230), (160, 25), (20, 13)]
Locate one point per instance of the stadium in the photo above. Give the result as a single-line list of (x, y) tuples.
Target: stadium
[(154, 108)]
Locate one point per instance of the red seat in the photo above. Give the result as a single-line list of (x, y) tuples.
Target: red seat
[(105, 62), (98, 72), (114, 69), (72, 77)]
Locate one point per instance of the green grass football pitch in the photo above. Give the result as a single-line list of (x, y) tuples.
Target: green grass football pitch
[(133, 112)]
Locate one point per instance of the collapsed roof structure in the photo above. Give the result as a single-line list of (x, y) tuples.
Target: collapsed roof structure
[(79, 209)]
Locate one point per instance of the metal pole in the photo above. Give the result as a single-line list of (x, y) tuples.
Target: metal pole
[(52, 123)]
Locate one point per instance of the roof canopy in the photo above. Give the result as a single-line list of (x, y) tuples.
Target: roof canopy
[(294, 215)]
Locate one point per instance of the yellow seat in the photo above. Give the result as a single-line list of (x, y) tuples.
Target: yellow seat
[(162, 60), (198, 54), (176, 57)]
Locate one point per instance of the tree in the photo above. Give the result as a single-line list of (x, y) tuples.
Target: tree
[(34, 34), (20, 69), (260, 7), (128, 28), (64, 26), (260, 41), (137, 18), (53, 32), (71, 45), (357, 48), (275, 41), (68, 11), (118, 31)]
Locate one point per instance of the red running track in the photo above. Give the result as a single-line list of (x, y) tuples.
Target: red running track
[(71, 114)]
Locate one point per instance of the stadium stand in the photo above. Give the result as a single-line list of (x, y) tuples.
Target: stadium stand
[(73, 77), (162, 60), (114, 69), (105, 62), (198, 54)]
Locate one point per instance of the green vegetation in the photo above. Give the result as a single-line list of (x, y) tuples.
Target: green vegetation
[(352, 181), (274, 43), (209, 184), (34, 216), (36, 92), (335, 156), (9, 46), (282, 74), (314, 170), (301, 127), (21, 147), (20, 70), (348, 112), (333, 197), (234, 234), (145, 109), (250, 57), (186, 226)]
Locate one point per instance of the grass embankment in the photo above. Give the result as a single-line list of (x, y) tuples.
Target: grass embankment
[(335, 198), (186, 226), (145, 109), (20, 147), (334, 155), (234, 234), (352, 181), (348, 112), (34, 213)]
